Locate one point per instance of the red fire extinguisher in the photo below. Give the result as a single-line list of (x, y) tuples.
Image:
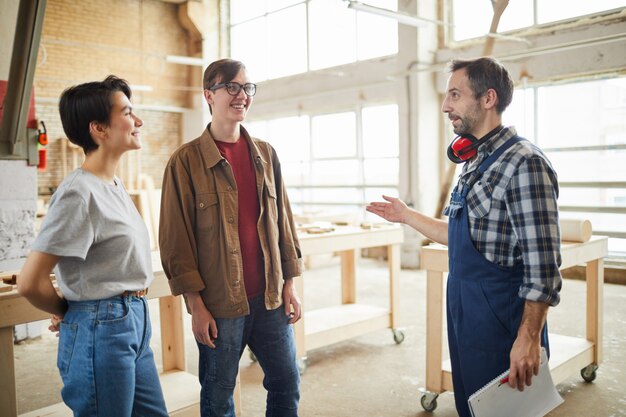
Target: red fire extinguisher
[(42, 141)]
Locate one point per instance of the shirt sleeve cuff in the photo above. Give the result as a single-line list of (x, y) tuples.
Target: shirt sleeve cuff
[(188, 282), (292, 268), (546, 295)]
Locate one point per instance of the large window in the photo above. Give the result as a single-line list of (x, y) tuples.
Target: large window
[(336, 162), (277, 38), (472, 18), (582, 128)]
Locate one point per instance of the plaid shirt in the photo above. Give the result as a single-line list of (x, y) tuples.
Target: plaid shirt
[(513, 214)]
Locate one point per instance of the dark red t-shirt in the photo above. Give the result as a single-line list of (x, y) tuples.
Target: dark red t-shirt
[(238, 156)]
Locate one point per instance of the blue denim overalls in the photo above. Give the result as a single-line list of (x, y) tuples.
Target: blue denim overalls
[(483, 308)]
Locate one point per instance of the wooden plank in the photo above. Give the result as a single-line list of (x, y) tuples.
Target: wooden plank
[(334, 324), (446, 376), (393, 264), (55, 410), (595, 307), (576, 253), (8, 391), (568, 355), (299, 326), (182, 393), (15, 309), (5, 287), (434, 258), (348, 277), (160, 286), (347, 238), (434, 330), (237, 396), (172, 333)]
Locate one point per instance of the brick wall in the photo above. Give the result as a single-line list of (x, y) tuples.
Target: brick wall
[(89, 39)]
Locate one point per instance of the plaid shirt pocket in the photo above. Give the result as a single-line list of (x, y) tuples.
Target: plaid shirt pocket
[(479, 200)]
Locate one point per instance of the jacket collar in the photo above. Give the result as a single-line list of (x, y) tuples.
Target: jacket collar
[(212, 153)]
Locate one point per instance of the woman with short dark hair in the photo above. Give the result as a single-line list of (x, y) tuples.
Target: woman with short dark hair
[(98, 245)]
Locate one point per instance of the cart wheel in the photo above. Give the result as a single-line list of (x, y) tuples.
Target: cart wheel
[(398, 336), (302, 364), (589, 372), (252, 356), (429, 402)]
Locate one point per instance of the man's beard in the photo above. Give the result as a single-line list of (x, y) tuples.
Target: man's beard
[(468, 121)]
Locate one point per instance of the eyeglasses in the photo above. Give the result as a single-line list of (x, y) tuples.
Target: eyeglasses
[(234, 88)]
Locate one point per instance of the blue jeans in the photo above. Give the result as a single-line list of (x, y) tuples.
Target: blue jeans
[(270, 337), (105, 359)]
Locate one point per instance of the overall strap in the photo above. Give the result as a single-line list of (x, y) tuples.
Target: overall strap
[(457, 201), (494, 156)]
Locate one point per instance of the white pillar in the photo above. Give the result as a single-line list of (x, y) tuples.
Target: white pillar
[(419, 121)]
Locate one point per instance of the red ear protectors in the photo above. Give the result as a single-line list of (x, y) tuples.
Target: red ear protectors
[(463, 148)]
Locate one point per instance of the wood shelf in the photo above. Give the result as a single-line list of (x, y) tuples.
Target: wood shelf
[(330, 325), (349, 319)]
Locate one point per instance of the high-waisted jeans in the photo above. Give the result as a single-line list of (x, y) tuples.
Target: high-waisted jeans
[(105, 359)]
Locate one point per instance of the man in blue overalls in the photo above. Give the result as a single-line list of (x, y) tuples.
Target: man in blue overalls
[(503, 236)]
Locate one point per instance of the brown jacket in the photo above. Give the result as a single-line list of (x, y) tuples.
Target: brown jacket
[(198, 235)]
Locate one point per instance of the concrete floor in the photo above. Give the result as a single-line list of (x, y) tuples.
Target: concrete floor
[(370, 375)]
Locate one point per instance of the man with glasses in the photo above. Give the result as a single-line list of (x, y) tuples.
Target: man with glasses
[(228, 244)]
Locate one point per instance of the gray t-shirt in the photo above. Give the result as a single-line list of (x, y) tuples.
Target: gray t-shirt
[(101, 238)]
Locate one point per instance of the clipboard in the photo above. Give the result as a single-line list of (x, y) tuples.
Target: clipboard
[(497, 398)]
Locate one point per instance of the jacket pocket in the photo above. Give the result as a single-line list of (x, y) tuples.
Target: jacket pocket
[(271, 199), (271, 188), (207, 211), (479, 203)]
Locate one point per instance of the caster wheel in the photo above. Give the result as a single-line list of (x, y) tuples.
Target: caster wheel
[(589, 372), (398, 336), (428, 402)]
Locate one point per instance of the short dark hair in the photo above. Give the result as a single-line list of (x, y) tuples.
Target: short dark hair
[(85, 103), (223, 70), (485, 73)]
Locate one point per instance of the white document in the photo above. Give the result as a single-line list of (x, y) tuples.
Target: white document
[(497, 398)]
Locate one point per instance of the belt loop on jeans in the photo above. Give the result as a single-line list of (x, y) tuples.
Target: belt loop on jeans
[(139, 293)]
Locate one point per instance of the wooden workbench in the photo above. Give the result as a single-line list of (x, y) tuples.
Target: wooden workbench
[(349, 319), (180, 388), (569, 355)]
